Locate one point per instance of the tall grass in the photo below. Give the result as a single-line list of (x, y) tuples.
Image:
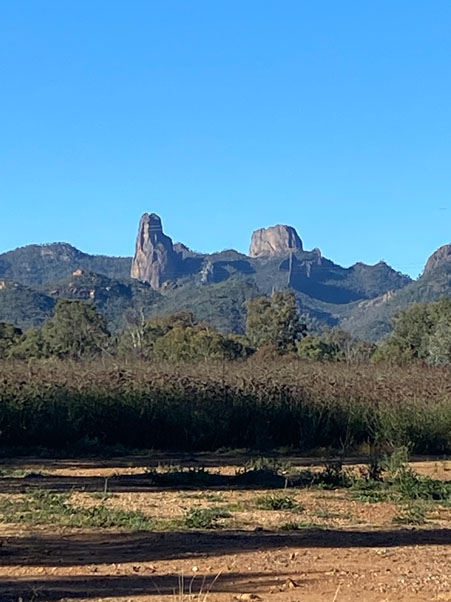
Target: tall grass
[(236, 405)]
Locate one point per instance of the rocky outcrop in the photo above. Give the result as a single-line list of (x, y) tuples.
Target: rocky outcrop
[(313, 259), (274, 241), (442, 255), (179, 247), (212, 272), (299, 269), (155, 259), (377, 301)]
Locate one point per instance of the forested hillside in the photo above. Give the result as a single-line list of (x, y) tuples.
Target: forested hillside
[(373, 319), (215, 287), (36, 265), (362, 299)]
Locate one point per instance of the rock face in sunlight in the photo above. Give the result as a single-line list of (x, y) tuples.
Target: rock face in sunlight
[(274, 241), (155, 259), (442, 255)]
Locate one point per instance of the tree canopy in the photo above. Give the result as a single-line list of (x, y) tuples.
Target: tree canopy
[(422, 332), (274, 321), (77, 329)]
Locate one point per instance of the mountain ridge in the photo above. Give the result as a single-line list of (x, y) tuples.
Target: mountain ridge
[(362, 298)]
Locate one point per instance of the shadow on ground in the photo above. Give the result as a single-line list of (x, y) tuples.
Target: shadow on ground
[(51, 589), (147, 481), (108, 548), (154, 459)]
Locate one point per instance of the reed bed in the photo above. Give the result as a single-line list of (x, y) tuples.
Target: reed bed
[(208, 406)]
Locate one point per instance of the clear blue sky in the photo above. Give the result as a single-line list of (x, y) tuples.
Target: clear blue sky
[(224, 116)]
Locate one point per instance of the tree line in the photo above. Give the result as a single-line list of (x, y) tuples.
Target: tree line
[(273, 327)]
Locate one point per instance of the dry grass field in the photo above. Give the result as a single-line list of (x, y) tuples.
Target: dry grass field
[(222, 527), (284, 403)]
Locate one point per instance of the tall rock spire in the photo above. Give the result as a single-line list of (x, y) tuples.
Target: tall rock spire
[(155, 260)]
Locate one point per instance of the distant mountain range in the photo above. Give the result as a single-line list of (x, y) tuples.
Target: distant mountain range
[(164, 277)]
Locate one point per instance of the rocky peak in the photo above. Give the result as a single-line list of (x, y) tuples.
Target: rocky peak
[(274, 241), (155, 259), (442, 255), (181, 248)]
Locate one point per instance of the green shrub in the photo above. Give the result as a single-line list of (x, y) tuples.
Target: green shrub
[(204, 518), (278, 502), (414, 513), (299, 526), (401, 483), (46, 507)]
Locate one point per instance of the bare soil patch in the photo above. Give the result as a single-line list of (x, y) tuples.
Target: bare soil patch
[(343, 549)]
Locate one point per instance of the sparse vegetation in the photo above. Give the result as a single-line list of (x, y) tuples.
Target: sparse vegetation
[(278, 502), (414, 498), (299, 526), (46, 507), (400, 483), (205, 518), (413, 513)]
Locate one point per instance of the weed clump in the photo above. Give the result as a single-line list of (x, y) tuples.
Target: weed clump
[(45, 507), (205, 518), (414, 513), (198, 476), (278, 502), (262, 471), (299, 526), (398, 482)]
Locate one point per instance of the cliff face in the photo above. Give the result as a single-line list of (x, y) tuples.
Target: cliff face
[(274, 241), (442, 255), (155, 259)]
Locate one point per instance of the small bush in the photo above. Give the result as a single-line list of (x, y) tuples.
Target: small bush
[(370, 491), (299, 526), (278, 502), (204, 518), (401, 483), (333, 476), (187, 477), (413, 514)]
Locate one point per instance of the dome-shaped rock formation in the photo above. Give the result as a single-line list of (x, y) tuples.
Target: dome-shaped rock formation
[(274, 241), (442, 255)]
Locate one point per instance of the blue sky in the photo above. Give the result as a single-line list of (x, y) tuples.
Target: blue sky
[(226, 116)]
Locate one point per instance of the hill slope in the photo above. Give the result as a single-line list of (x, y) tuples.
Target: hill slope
[(215, 287), (121, 303), (373, 319), (36, 265), (23, 306)]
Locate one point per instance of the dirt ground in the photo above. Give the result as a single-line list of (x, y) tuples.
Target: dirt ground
[(346, 550)]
